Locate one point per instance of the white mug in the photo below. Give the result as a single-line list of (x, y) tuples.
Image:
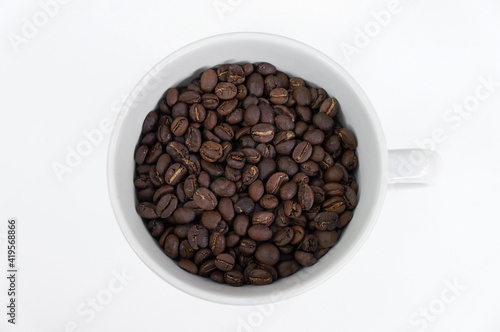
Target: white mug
[(295, 59)]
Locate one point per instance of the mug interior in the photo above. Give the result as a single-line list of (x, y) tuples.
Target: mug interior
[(295, 59)]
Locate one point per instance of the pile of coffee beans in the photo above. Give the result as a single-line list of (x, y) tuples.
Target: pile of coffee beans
[(245, 175)]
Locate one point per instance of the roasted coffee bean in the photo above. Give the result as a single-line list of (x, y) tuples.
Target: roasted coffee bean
[(188, 265), (283, 237), (305, 196), (247, 246), (287, 268), (333, 189), (208, 80), (166, 206), (244, 205), (326, 239), (265, 218), (278, 96), (177, 151), (210, 151), (349, 160), (202, 255), (198, 237), (205, 199), (288, 191), (224, 262), (207, 267), (287, 165), (298, 234), (314, 136), (309, 243), (335, 204), (150, 122), (172, 96), (267, 253), (250, 174), (156, 227), (263, 132), (267, 167), (225, 90), (275, 182), (302, 152), (147, 210), (172, 246), (345, 218), (260, 277), (234, 278), (330, 106), (179, 126), (269, 201), (256, 190), (304, 258), (241, 224), (292, 209), (302, 95), (184, 215), (217, 243), (326, 220), (223, 187), (226, 209)]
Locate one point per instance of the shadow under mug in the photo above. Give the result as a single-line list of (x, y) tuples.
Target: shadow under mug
[(377, 167)]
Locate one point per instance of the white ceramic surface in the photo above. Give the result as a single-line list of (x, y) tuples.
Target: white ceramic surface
[(295, 59)]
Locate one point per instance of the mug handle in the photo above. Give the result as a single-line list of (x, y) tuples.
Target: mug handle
[(414, 166)]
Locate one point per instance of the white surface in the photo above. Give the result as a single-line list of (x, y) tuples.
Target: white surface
[(77, 69)]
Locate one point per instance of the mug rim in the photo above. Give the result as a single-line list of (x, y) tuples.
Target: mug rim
[(227, 37)]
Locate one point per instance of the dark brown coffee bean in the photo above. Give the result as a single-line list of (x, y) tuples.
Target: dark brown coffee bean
[(180, 109), (305, 196), (252, 115), (287, 165), (141, 154), (190, 97), (150, 122), (263, 132), (286, 148), (260, 277), (225, 90), (326, 239), (302, 95), (330, 106), (349, 160), (149, 139), (310, 168), (177, 151), (333, 189), (260, 233), (267, 253), (172, 96), (179, 126), (314, 136), (275, 182), (207, 267), (205, 199), (250, 174), (309, 243), (298, 234), (172, 246), (211, 151), (348, 139), (267, 167), (283, 237), (345, 218), (255, 84), (265, 68), (175, 174), (156, 227), (213, 169), (269, 201), (224, 262), (146, 195), (244, 205), (236, 160), (302, 152), (208, 80), (202, 255), (217, 243), (166, 206), (226, 209), (265, 218), (223, 187), (350, 197), (147, 210), (256, 190), (335, 204), (235, 116), (188, 265), (305, 258), (288, 191), (234, 278), (209, 101), (287, 268), (278, 96), (184, 215), (198, 237), (247, 247), (323, 121), (292, 209)]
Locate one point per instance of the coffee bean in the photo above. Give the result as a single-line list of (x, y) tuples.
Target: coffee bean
[(265, 68), (217, 243), (302, 95), (275, 182), (305, 258), (302, 152), (223, 187), (207, 267), (263, 132), (335, 204), (305, 196), (147, 210), (211, 151), (150, 122), (345, 218), (326, 239), (269, 201), (226, 208), (234, 278), (244, 205), (288, 191), (265, 218), (250, 174), (330, 106), (225, 90), (166, 206), (172, 246), (184, 215), (260, 277), (278, 96), (188, 265), (208, 80), (224, 262), (283, 237), (205, 199), (287, 268), (198, 237), (247, 246), (267, 253), (349, 160), (256, 190)]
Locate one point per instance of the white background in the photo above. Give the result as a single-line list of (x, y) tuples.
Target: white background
[(73, 72)]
